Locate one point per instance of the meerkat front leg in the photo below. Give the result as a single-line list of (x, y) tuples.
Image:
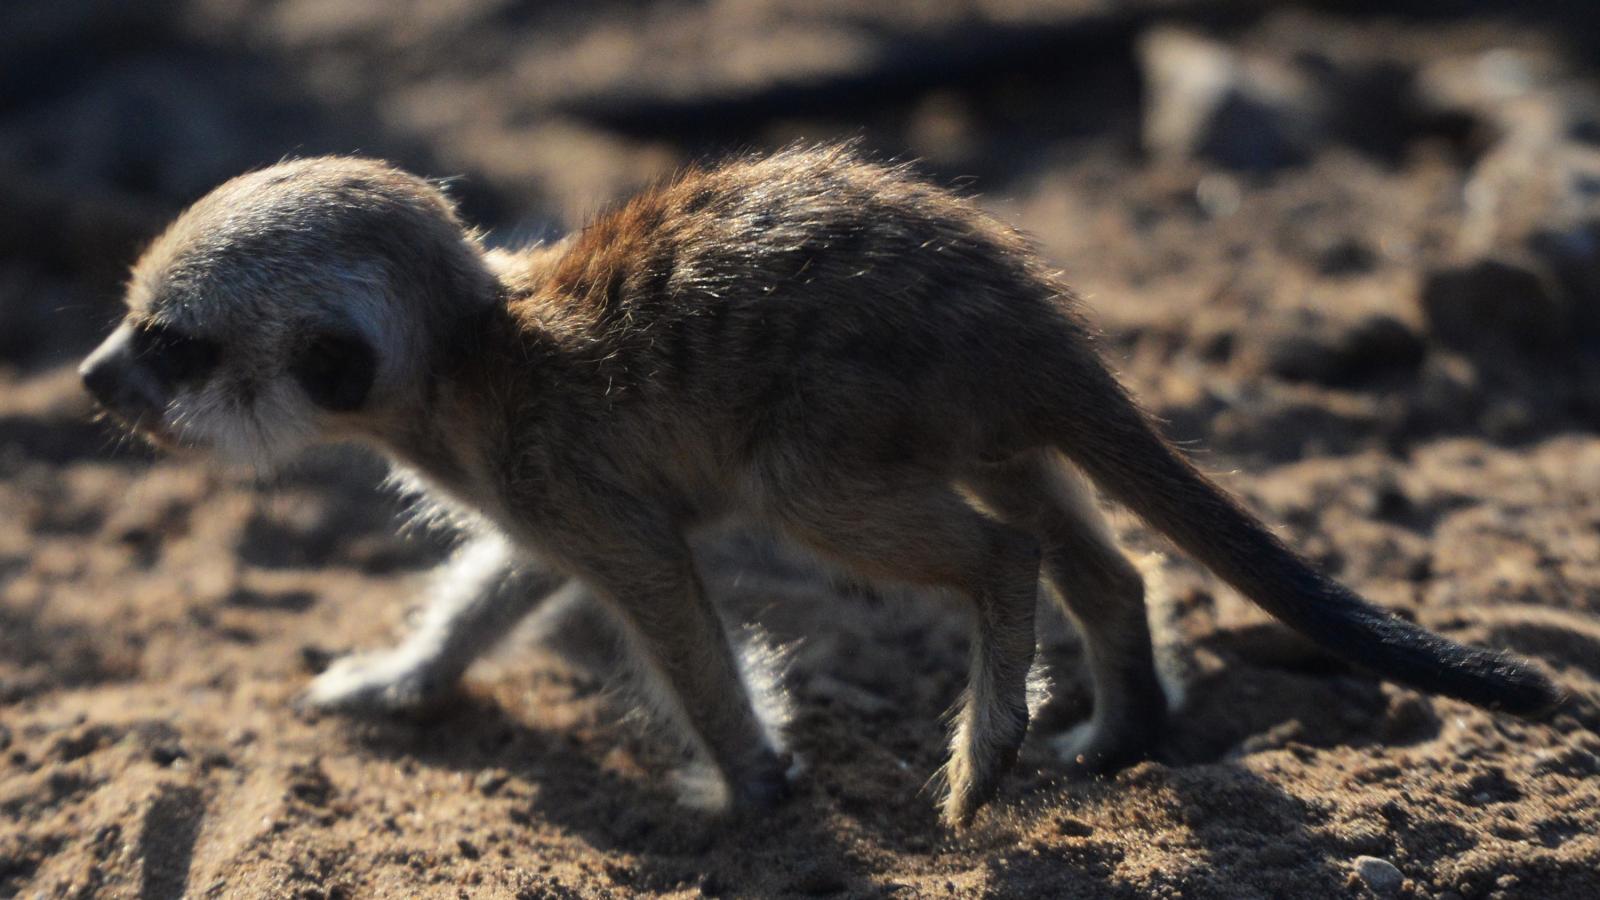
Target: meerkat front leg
[(482, 592), (641, 568)]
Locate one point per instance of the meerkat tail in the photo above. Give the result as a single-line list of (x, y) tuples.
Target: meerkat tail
[(1117, 445)]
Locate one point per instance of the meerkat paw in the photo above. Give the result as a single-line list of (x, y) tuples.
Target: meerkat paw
[(1096, 747), (979, 758), (961, 804), (971, 785), (702, 787), (379, 683)]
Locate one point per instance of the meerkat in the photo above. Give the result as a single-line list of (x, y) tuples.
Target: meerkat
[(863, 361)]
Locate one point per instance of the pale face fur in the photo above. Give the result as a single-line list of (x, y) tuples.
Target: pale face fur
[(289, 306)]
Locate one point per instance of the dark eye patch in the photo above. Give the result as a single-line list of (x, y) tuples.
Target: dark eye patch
[(336, 371), (175, 357)]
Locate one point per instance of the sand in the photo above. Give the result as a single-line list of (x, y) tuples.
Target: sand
[(158, 617)]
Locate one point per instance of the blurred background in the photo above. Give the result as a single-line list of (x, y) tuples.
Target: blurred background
[(1352, 248), (1364, 183)]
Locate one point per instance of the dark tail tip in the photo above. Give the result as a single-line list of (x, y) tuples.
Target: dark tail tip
[(1527, 692), (1402, 651)]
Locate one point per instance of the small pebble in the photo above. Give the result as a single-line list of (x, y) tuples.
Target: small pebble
[(1379, 874), (1071, 827), (490, 781)]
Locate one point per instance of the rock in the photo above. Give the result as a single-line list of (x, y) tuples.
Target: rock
[(1070, 827), (1532, 201), (216, 759), (1496, 301), (1535, 189), (1341, 255), (167, 754), (1379, 874), (490, 781), (1205, 100), (1494, 87), (1327, 351)]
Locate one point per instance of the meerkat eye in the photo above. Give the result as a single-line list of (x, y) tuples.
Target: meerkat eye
[(175, 357), (336, 371)]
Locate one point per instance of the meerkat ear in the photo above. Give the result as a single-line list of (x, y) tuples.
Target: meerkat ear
[(336, 371)]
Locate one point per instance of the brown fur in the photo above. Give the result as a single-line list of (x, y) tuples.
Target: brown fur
[(823, 343)]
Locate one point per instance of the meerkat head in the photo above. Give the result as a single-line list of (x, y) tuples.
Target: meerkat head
[(291, 305)]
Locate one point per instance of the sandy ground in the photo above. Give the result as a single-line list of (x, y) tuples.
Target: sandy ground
[(1435, 450)]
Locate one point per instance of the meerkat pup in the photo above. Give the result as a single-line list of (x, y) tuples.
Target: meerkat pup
[(863, 361)]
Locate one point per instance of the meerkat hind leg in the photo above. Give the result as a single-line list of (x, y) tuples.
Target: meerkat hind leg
[(931, 535), (1101, 591), (479, 595)]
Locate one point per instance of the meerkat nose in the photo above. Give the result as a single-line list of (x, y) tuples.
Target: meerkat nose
[(105, 371), (99, 379)]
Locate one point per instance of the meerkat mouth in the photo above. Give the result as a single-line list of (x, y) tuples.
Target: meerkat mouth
[(145, 426), (152, 427)]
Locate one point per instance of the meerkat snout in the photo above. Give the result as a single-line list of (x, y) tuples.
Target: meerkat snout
[(135, 373)]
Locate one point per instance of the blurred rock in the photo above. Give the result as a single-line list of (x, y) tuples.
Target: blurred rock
[(1339, 255), (1340, 353), (145, 127), (1526, 262), (1203, 99), (1218, 195), (701, 68), (1501, 87), (1495, 302), (1534, 184)]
